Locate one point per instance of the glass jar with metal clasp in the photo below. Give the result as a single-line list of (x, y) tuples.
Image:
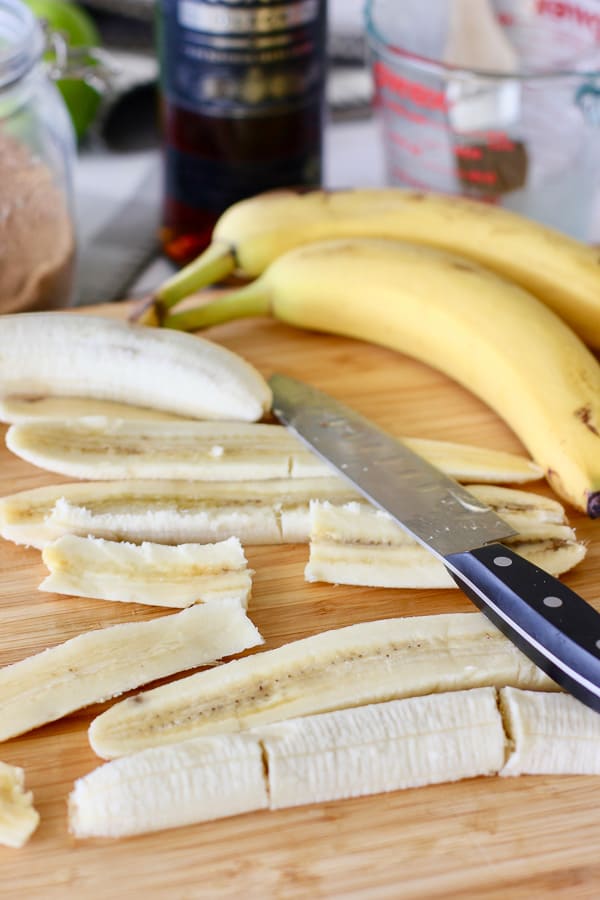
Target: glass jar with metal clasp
[(37, 153)]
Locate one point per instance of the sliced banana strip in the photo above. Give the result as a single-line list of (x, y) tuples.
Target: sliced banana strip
[(357, 544), (34, 408), (352, 666), (154, 574), (551, 734), (101, 664), (18, 818), (166, 787), (168, 512), (64, 354), (106, 448)]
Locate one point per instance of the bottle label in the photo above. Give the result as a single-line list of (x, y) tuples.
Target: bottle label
[(242, 58)]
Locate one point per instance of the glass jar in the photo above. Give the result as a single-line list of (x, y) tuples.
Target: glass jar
[(37, 152)]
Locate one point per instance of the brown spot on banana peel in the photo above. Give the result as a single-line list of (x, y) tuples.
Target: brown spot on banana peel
[(584, 414)]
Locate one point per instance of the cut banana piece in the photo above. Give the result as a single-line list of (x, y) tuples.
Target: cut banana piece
[(357, 544), (101, 664), (105, 448), (25, 408), (384, 747), (551, 734), (153, 574), (352, 666), (64, 354), (166, 787), (18, 818), (169, 512)]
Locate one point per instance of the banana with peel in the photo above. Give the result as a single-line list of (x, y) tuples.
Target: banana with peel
[(251, 235), (18, 817), (353, 666), (104, 663), (153, 574), (345, 753), (488, 334), (357, 544), (105, 448), (65, 354)]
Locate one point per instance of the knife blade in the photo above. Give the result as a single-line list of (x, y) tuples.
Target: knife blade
[(551, 624)]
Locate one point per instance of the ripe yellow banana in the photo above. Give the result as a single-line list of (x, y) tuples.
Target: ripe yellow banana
[(64, 354), (357, 544), (105, 448), (18, 818), (101, 664), (488, 334), (331, 756), (169, 512), (352, 666), (152, 574), (560, 271)]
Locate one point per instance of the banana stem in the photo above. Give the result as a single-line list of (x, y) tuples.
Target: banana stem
[(213, 265), (253, 299)]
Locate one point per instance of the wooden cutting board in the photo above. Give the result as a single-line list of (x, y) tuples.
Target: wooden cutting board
[(528, 837)]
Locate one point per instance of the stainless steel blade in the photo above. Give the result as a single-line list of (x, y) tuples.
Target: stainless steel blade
[(433, 508)]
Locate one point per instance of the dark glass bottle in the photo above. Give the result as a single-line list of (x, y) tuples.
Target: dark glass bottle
[(242, 91)]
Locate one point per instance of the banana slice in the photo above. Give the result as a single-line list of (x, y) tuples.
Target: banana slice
[(18, 818), (165, 787), (357, 544), (153, 574), (29, 408), (101, 664), (384, 747), (550, 734), (63, 354), (352, 666), (107, 448), (169, 512)]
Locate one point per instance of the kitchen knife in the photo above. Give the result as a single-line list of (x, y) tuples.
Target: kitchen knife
[(551, 624)]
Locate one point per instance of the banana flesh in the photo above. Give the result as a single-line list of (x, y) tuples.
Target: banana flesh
[(252, 234), (18, 817), (153, 574), (102, 664), (22, 408), (168, 512), (166, 787), (63, 354), (105, 448), (357, 544), (488, 334), (352, 666), (384, 747), (550, 734)]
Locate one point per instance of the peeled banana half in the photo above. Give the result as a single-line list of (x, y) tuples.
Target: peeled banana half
[(346, 667), (64, 354), (486, 333), (104, 663), (107, 448), (345, 753), (251, 235)]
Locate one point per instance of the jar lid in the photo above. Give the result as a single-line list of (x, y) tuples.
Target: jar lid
[(21, 41)]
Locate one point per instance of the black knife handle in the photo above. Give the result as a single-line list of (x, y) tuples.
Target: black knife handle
[(550, 623)]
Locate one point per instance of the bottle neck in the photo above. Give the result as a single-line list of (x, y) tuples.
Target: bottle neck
[(21, 42)]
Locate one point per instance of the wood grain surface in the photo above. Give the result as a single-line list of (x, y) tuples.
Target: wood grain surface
[(483, 838)]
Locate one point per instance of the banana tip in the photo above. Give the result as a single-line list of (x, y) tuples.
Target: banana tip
[(593, 505)]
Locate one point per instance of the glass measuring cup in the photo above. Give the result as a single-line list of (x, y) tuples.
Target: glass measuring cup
[(528, 139)]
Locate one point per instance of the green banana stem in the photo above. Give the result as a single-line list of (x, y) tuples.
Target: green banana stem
[(253, 299), (213, 265)]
